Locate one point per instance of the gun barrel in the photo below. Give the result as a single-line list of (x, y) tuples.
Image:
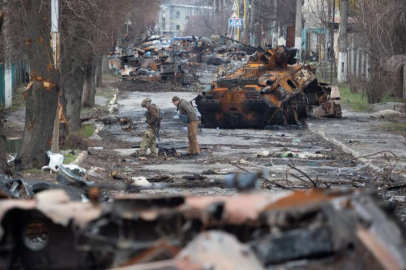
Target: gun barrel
[(259, 48)]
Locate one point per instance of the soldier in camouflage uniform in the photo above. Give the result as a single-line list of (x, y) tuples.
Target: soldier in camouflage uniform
[(154, 122), (185, 108)]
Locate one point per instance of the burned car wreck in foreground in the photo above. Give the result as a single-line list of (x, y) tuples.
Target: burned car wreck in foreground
[(317, 229)]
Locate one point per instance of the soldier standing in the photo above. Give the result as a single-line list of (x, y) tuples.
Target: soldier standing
[(154, 123), (186, 108)]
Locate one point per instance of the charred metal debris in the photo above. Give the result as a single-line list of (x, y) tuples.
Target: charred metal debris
[(182, 63), (272, 88), (315, 229)]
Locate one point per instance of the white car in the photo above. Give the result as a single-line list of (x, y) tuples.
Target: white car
[(165, 45), (157, 44)]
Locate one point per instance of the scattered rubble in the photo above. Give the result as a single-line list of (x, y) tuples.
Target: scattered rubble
[(319, 229), (79, 224), (180, 65), (387, 114)]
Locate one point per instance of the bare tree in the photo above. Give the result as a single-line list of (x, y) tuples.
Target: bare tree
[(88, 29), (105, 19), (268, 18), (3, 156), (381, 27), (42, 92), (208, 19), (143, 20)]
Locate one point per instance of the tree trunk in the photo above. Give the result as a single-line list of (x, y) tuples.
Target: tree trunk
[(90, 83), (343, 52), (105, 64), (72, 83), (72, 75), (42, 94), (99, 70), (3, 156)]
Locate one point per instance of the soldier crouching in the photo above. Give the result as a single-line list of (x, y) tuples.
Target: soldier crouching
[(154, 123)]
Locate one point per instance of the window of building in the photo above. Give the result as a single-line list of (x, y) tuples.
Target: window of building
[(178, 27), (177, 14), (187, 18)]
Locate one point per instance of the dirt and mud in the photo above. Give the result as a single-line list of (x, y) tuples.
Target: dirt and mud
[(295, 157), (291, 155)]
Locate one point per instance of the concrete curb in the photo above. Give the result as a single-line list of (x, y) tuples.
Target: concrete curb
[(355, 154), (81, 157), (113, 103)]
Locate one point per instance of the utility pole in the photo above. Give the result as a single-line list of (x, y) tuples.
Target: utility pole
[(298, 29), (254, 30), (332, 55), (55, 50), (275, 25), (247, 26), (245, 19), (343, 50), (404, 81), (8, 76)]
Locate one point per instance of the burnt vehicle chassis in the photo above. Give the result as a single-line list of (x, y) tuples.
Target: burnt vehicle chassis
[(270, 90), (318, 229)]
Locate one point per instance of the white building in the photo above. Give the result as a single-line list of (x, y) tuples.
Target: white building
[(173, 18)]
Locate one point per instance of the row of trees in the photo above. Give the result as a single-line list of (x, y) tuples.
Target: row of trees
[(376, 27), (380, 28), (262, 16), (88, 29)]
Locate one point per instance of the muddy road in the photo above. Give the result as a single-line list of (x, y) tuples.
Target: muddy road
[(276, 150)]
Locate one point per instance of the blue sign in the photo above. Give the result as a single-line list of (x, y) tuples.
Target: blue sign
[(236, 23), (231, 23), (239, 23)]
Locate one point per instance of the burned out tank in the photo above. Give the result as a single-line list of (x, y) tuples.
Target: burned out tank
[(271, 89)]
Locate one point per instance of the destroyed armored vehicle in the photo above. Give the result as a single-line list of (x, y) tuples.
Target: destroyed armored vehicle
[(271, 89)]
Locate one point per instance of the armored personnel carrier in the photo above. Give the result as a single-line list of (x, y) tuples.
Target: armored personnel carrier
[(272, 88)]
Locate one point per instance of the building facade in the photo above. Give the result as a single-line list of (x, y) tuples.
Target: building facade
[(173, 18)]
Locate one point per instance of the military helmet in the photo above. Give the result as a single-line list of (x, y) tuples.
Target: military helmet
[(146, 102)]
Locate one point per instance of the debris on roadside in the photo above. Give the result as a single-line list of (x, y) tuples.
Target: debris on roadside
[(168, 152), (321, 229), (387, 114), (181, 64), (263, 154), (159, 178), (125, 121), (55, 160), (116, 175), (110, 120), (287, 154), (195, 176), (141, 181), (212, 171)]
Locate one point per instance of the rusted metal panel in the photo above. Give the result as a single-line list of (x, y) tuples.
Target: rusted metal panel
[(278, 85), (325, 229)]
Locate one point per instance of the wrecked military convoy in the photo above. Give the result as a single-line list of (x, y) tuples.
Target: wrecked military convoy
[(270, 89), (180, 64), (318, 229)]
